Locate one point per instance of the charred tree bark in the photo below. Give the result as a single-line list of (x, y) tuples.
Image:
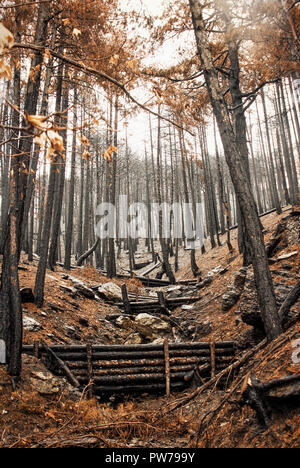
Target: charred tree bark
[(41, 272), (263, 278)]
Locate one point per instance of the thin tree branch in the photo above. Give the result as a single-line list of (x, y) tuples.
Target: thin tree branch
[(98, 74)]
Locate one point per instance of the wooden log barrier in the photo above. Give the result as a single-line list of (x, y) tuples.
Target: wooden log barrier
[(135, 368)]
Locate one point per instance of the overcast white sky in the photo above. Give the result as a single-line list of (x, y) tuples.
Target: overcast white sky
[(138, 127), (153, 7)]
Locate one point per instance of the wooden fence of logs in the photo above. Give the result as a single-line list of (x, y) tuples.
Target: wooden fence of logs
[(154, 282), (147, 304), (135, 368)]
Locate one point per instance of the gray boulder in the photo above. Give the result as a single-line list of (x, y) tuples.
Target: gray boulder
[(234, 291), (30, 324), (152, 327), (110, 292)]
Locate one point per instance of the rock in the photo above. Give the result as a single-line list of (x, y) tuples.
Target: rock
[(216, 270), (283, 274), (151, 327), (174, 292), (204, 329), (85, 291), (30, 324), (27, 296), (80, 287), (187, 307), (110, 292), (134, 339), (41, 379), (55, 307), (84, 322), (293, 230), (112, 317), (249, 308), (230, 298), (234, 291), (240, 278), (174, 295), (72, 332), (125, 322), (44, 383), (69, 290), (287, 256), (159, 341), (206, 282)]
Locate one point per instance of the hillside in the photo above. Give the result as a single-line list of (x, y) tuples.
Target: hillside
[(212, 418)]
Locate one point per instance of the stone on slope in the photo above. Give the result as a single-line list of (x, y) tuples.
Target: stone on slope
[(234, 291), (151, 327), (30, 324), (110, 292)]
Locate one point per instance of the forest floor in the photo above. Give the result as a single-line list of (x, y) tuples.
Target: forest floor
[(214, 418)]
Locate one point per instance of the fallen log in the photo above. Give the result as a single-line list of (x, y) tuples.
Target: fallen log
[(73, 381), (290, 301), (141, 266), (77, 442), (280, 382), (257, 395), (150, 270), (275, 239), (87, 254)]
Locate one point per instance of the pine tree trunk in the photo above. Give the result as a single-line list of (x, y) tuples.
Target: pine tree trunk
[(71, 198), (41, 272), (240, 179)]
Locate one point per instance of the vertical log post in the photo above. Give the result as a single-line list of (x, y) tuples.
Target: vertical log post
[(89, 353), (213, 359), (167, 368), (126, 301), (36, 349), (163, 303)]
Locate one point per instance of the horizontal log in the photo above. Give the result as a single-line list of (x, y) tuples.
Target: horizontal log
[(146, 370), (177, 361), (134, 370), (142, 355), (145, 347), (136, 363), (134, 378), (132, 389)]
